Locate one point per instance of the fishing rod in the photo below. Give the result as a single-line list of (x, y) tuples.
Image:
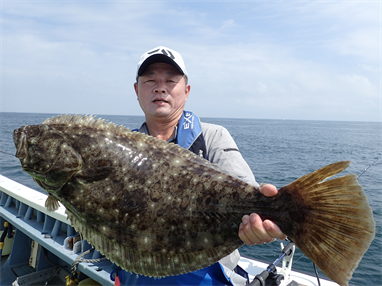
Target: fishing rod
[(270, 276)]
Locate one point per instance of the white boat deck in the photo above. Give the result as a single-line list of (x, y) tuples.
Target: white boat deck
[(254, 267)]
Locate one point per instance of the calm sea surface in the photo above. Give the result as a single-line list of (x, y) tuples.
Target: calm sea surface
[(278, 152)]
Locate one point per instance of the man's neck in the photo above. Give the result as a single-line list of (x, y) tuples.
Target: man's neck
[(161, 130)]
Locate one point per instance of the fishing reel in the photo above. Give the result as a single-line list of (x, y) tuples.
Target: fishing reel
[(269, 277)]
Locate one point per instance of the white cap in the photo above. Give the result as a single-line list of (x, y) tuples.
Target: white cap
[(161, 55)]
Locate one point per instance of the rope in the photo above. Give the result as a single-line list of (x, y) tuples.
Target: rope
[(79, 259)]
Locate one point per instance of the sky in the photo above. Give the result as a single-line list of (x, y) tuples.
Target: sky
[(309, 60)]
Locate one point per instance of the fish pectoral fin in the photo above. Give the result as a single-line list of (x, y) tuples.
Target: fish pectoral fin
[(51, 203)]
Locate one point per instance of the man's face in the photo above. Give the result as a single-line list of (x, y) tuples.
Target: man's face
[(162, 92)]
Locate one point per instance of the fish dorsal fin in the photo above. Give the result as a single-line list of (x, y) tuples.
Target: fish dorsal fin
[(51, 204), (87, 120)]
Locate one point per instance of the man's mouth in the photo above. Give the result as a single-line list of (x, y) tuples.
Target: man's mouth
[(160, 100)]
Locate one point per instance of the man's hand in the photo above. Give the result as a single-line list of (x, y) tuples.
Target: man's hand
[(255, 231)]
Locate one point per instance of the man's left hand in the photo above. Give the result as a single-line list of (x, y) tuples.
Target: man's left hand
[(253, 230)]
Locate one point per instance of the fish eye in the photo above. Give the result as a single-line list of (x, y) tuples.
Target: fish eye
[(31, 141), (44, 127), (33, 133)]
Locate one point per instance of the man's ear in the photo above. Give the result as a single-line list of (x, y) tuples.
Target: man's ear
[(136, 88), (188, 88)]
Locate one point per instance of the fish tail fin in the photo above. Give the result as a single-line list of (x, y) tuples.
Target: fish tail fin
[(336, 226)]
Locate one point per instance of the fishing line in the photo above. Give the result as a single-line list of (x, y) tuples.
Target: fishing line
[(7, 153), (368, 167), (315, 270), (302, 255)]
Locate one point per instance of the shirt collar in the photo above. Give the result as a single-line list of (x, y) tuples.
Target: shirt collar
[(144, 130)]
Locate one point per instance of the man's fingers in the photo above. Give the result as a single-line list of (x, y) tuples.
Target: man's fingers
[(252, 230), (258, 228), (268, 190), (273, 230), (243, 236), (245, 232)]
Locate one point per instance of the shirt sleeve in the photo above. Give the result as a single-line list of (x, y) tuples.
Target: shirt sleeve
[(222, 150)]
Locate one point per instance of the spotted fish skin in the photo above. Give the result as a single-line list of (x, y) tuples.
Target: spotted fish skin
[(117, 184), (158, 210)]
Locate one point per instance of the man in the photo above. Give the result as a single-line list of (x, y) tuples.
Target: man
[(162, 91)]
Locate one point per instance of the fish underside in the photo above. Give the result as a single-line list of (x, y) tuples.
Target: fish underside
[(158, 210)]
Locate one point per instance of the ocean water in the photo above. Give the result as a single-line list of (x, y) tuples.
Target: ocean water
[(278, 152)]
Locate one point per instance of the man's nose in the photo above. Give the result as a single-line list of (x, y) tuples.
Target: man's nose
[(160, 88)]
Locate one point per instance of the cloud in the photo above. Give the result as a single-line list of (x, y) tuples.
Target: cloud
[(305, 60), (228, 24)]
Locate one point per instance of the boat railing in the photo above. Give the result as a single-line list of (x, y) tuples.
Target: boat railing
[(24, 208)]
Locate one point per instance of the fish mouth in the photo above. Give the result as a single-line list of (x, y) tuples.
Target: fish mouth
[(37, 176), (46, 187), (42, 179), (20, 140)]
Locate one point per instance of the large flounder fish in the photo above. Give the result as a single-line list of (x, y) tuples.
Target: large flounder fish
[(158, 210)]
